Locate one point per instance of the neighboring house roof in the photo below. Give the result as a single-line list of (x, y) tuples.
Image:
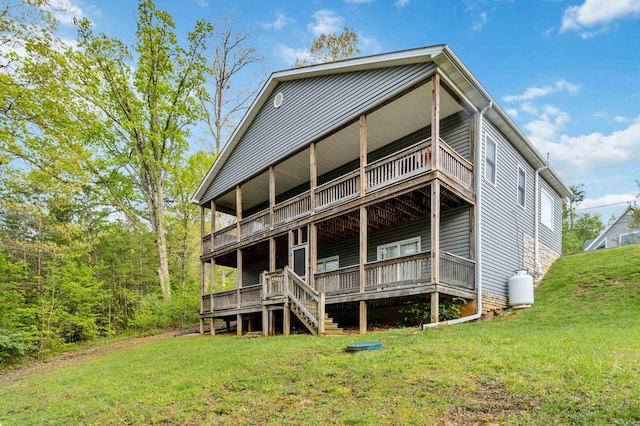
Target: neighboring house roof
[(455, 75), (595, 243)]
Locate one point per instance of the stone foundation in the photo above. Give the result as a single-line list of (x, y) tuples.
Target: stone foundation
[(547, 257)]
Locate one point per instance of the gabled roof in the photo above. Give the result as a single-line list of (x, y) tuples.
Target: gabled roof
[(592, 244), (454, 73)]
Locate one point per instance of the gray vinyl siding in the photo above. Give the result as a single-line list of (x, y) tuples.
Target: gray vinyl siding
[(504, 222), (311, 108), (454, 238), (454, 130)]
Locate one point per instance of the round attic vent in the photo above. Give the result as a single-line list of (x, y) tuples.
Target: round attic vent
[(277, 101)]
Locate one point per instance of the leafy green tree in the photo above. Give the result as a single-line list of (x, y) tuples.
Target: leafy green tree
[(576, 229), (332, 47)]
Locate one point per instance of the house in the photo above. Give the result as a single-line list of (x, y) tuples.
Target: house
[(362, 185), (619, 233)]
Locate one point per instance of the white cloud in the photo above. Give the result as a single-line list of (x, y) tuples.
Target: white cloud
[(607, 200), (369, 44), (512, 112), (291, 55), (65, 11), (598, 13), (325, 22), (202, 3), (480, 21), (281, 20), (584, 155), (401, 3), (536, 92)]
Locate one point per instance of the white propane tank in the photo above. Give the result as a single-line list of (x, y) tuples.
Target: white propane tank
[(521, 290)]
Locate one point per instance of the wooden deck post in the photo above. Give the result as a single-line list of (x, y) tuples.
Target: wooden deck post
[(238, 210), (313, 177), (212, 327), (201, 326), (313, 254), (435, 120), (286, 319), (363, 317), (363, 154), (272, 194), (435, 231), (321, 311), (212, 285), (239, 273), (202, 289), (363, 247), (435, 306), (265, 321), (213, 221), (239, 324), (272, 254), (202, 231)]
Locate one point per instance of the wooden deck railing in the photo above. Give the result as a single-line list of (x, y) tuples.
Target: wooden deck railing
[(307, 299), (206, 244), (457, 271), (399, 271), (225, 237), (225, 299), (255, 224), (338, 190), (274, 283), (455, 165), (251, 295), (405, 163), (339, 281), (292, 209)]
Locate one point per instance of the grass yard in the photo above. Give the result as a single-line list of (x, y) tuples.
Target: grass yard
[(573, 358)]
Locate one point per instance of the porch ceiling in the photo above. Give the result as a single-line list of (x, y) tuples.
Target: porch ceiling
[(390, 122)]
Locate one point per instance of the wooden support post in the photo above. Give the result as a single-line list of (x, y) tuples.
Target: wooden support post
[(212, 285), (202, 286), (363, 317), (239, 324), (363, 154), (286, 319), (435, 305), (313, 176), (202, 231), (227, 325), (435, 120), (238, 210), (213, 220), (313, 254), (212, 327), (321, 311), (272, 324), (435, 231), (363, 247), (265, 321), (272, 254), (272, 193), (239, 273), (201, 326)]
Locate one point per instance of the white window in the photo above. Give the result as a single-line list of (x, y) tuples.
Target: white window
[(490, 160), (328, 264), (399, 249), (546, 210), (630, 238), (522, 186)]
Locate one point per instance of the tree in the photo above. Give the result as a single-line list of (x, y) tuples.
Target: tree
[(332, 47), (576, 229), (224, 101), (133, 120)]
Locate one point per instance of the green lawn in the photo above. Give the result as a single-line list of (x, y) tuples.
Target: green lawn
[(573, 358)]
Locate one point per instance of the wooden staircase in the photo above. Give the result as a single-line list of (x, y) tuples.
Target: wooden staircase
[(331, 328)]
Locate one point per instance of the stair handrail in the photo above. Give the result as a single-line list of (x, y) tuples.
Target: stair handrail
[(293, 282)]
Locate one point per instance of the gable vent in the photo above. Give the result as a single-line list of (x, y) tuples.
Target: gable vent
[(277, 101)]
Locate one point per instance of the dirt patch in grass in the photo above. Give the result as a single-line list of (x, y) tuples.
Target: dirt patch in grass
[(490, 404), (77, 356)]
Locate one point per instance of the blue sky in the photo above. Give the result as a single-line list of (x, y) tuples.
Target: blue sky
[(568, 72)]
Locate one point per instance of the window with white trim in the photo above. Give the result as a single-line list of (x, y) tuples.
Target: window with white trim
[(328, 264), (490, 156), (630, 238), (522, 186), (546, 209), (399, 249)]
